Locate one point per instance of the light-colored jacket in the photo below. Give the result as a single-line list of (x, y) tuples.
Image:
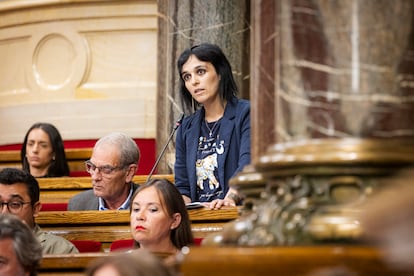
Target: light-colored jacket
[(52, 244)]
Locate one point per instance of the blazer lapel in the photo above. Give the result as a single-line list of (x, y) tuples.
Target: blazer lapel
[(193, 134), (225, 133)]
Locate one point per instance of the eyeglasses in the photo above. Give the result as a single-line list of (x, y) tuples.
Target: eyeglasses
[(91, 168), (14, 206)]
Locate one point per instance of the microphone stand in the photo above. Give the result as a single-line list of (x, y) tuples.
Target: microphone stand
[(177, 124)]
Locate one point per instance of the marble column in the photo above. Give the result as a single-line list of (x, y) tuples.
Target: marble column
[(183, 23), (264, 75), (343, 117), (346, 69)]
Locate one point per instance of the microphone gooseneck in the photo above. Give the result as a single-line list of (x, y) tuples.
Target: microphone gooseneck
[(177, 124)]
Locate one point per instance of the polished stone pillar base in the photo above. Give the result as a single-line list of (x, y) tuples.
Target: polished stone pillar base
[(312, 191)]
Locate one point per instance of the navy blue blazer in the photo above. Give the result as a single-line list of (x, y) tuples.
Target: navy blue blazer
[(235, 129)]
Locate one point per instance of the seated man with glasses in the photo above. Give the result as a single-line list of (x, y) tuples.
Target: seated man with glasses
[(19, 196), (112, 166)]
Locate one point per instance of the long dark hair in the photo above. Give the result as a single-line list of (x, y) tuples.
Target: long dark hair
[(59, 166), (208, 53)]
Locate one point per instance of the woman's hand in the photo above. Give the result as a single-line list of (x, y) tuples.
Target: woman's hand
[(218, 203)]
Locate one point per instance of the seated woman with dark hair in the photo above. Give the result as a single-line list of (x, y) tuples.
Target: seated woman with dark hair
[(159, 218), (43, 153)]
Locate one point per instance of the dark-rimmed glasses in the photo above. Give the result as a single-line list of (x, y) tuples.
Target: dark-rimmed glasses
[(91, 168), (14, 207)]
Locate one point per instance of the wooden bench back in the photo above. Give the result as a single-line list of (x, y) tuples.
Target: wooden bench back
[(72, 264), (108, 226), (67, 264), (61, 189), (251, 261), (76, 158), (285, 260)]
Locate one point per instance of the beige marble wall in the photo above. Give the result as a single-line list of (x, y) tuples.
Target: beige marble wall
[(89, 67)]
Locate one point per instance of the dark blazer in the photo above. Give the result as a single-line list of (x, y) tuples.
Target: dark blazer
[(234, 129), (88, 200)]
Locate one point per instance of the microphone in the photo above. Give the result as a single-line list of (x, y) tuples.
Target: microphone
[(177, 124)]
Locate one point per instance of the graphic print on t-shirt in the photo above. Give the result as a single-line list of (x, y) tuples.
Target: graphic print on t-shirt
[(205, 171), (209, 148)]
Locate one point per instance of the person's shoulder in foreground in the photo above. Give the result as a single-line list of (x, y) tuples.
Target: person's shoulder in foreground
[(20, 251), (52, 244)]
